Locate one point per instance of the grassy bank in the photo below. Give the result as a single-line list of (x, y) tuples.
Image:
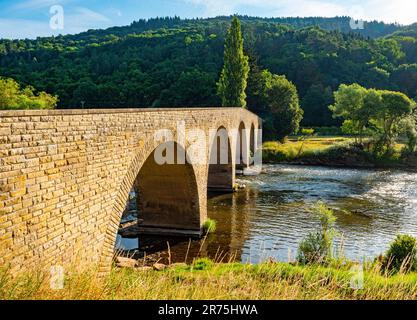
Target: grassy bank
[(332, 151), (207, 280), (294, 148)]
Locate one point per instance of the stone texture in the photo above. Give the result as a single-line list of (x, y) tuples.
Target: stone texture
[(159, 266), (123, 262), (65, 176)]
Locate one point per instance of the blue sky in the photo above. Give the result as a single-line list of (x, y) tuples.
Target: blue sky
[(31, 18)]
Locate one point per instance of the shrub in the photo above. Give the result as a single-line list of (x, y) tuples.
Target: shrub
[(203, 264), (307, 131), (317, 246), (411, 144), (209, 226), (328, 131), (401, 255)]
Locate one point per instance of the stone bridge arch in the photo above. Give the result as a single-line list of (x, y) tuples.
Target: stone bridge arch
[(171, 197), (65, 177), (221, 165), (242, 147)]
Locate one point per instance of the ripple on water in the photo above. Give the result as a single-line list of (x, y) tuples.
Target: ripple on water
[(372, 206), (273, 214)]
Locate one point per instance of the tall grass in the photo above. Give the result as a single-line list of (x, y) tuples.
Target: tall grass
[(209, 280)]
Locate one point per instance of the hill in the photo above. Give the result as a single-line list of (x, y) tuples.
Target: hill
[(169, 62)]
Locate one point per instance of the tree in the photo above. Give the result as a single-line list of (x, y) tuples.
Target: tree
[(256, 84), (233, 79), (315, 103), (405, 77), (276, 101), (384, 113), (86, 94), (282, 100), (390, 118), (143, 64), (349, 104), (12, 97), (9, 91)]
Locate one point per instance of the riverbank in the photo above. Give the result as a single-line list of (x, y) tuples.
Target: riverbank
[(333, 152), (207, 280)]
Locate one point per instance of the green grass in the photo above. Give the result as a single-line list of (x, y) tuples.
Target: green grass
[(208, 280), (209, 226), (295, 148)]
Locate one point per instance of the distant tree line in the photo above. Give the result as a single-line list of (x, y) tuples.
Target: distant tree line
[(170, 62)]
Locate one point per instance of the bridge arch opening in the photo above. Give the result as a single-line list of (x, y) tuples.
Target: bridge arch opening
[(252, 144), (242, 148), (220, 166), (166, 195)]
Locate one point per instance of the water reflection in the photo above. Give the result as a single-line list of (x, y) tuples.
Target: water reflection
[(271, 216)]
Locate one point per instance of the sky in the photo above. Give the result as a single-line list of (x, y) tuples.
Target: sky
[(33, 18)]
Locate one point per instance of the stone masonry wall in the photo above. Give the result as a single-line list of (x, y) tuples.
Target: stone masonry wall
[(65, 176)]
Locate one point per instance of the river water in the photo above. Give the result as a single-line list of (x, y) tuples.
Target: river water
[(273, 214)]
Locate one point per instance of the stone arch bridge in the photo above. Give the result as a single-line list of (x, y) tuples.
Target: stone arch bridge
[(65, 177)]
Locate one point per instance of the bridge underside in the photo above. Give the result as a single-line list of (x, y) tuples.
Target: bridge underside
[(167, 198)]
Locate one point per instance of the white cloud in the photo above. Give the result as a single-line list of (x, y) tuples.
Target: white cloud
[(22, 28), (79, 19), (402, 11), (86, 16)]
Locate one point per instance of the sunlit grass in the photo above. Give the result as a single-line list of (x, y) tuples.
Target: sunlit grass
[(295, 148), (327, 148), (210, 226), (209, 280)]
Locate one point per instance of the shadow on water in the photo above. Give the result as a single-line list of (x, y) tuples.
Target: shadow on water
[(270, 217)]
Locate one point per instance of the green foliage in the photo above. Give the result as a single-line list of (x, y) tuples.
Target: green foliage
[(307, 131), (411, 145), (328, 131), (278, 103), (401, 255), (233, 78), (203, 264), (316, 248), (284, 109), (173, 62), (350, 105), (312, 103), (13, 97), (390, 117), (209, 226), (383, 113)]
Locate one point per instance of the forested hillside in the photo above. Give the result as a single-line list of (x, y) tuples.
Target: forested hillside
[(172, 62)]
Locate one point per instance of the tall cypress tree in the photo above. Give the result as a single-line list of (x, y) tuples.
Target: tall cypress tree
[(233, 79)]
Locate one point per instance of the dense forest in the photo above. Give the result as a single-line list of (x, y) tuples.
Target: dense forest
[(170, 62)]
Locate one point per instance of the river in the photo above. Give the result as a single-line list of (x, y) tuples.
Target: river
[(273, 214)]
